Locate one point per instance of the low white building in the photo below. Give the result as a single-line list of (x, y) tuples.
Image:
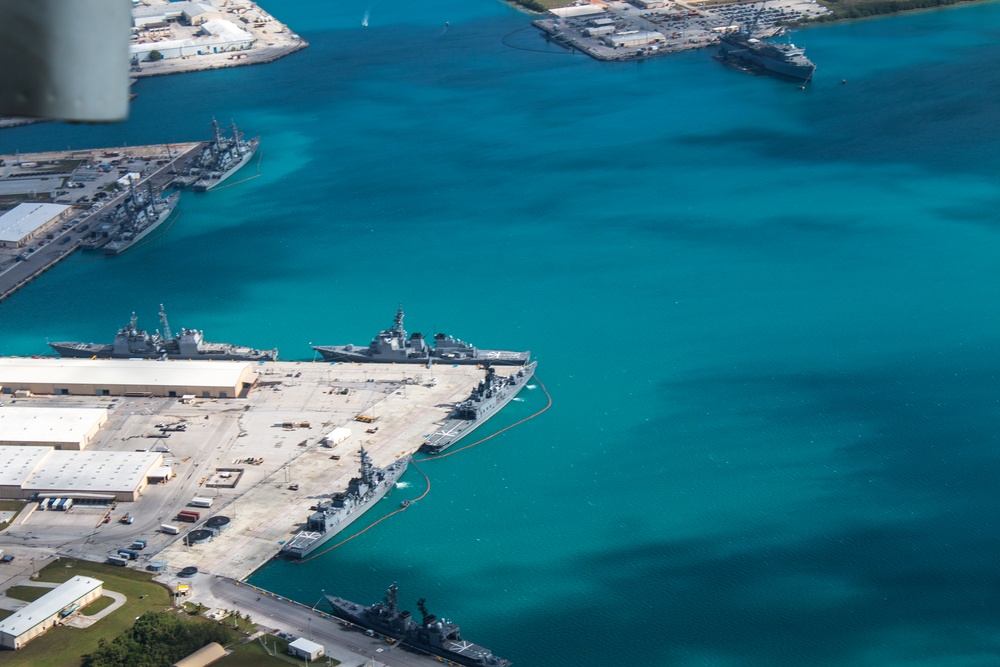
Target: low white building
[(120, 377), (61, 428), (35, 619), (215, 36), (27, 472), (305, 649), (337, 435), (634, 38), (26, 221)]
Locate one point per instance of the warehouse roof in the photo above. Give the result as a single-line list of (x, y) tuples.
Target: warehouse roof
[(19, 424), (48, 605), (91, 471), (121, 372), (16, 463), (23, 219)]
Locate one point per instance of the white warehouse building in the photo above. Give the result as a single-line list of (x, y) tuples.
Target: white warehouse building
[(35, 619), (26, 221), (60, 428), (126, 377), (43, 472)]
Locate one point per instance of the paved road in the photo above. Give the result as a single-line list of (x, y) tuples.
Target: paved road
[(348, 645)]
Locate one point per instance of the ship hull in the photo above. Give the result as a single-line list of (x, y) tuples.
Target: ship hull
[(206, 184), (302, 552), (753, 58), (494, 357), (454, 430), (116, 248), (91, 350)]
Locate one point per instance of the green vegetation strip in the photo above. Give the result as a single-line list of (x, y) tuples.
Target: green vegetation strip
[(858, 9), (253, 654), (27, 593), (158, 638)]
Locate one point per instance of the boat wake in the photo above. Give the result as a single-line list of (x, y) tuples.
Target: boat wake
[(402, 485)]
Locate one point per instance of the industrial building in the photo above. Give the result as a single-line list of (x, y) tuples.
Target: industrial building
[(35, 619), (43, 472), (307, 650), (206, 655), (634, 38), (60, 428), (126, 377), (26, 221), (214, 36)]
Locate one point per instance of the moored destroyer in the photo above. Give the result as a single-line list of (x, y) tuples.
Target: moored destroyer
[(488, 398), (743, 51), (433, 635), (132, 342), (343, 509), (392, 346), (221, 158)]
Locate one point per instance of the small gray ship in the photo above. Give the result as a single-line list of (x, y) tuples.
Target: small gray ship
[(437, 636), (745, 52), (345, 508), (131, 343), (392, 346), (488, 398)]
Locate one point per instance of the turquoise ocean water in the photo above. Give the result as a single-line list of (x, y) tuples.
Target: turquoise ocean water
[(767, 318)]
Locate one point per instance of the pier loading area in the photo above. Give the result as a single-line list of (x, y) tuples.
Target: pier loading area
[(246, 455)]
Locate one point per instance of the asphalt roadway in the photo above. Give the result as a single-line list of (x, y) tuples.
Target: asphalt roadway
[(350, 645)]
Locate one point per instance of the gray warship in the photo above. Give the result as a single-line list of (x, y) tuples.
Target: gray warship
[(743, 51), (142, 220), (132, 342), (488, 398), (436, 636), (219, 159), (343, 509), (391, 346)]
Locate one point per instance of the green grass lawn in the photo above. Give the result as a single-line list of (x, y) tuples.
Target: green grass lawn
[(27, 593), (64, 647), (100, 604), (11, 506), (252, 654), (4, 613)]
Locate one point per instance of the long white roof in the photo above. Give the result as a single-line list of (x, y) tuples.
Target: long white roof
[(17, 463), (139, 372), (48, 605), (18, 424), (90, 471), (26, 218)]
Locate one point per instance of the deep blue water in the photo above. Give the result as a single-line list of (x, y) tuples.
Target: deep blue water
[(767, 318)]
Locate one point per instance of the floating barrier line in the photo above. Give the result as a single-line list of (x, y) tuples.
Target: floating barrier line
[(408, 503), (506, 428)]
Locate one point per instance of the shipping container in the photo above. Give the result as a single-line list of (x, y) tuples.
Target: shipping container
[(200, 502), (168, 529), (128, 553), (188, 515), (117, 560)]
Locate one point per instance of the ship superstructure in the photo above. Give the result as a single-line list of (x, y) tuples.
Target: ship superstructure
[(343, 509), (131, 342), (489, 397), (437, 636), (393, 346), (744, 51), (220, 158), (144, 216)]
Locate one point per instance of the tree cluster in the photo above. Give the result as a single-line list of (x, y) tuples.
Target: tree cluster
[(157, 639), (859, 10)]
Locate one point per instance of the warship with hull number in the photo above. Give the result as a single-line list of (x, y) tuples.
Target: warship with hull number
[(436, 636), (220, 158), (132, 342), (392, 346), (488, 398), (343, 509)]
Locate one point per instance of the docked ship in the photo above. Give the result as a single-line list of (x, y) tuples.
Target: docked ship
[(436, 636), (131, 343), (742, 50), (222, 158), (343, 509), (392, 346), (141, 222), (488, 398)]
